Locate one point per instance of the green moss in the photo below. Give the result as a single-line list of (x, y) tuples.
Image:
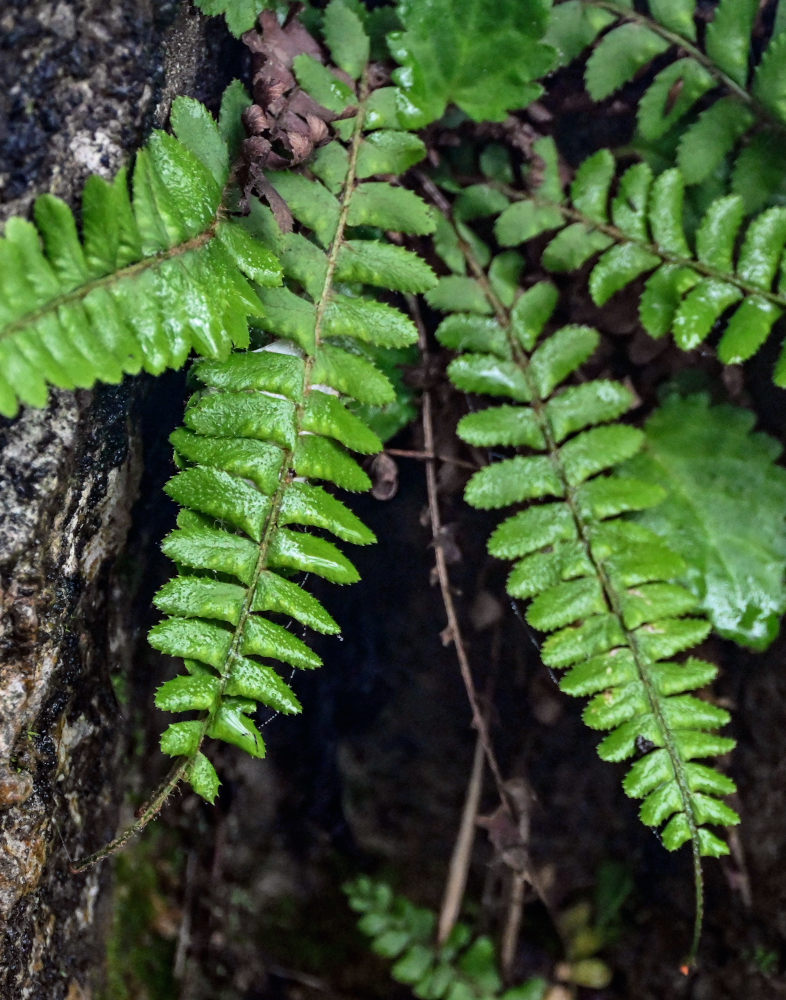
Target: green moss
[(141, 945)]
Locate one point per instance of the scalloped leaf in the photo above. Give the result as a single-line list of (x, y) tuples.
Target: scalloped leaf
[(713, 470), (495, 56)]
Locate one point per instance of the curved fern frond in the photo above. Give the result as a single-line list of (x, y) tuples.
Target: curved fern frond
[(707, 100), (727, 273), (269, 421), (159, 271), (599, 586)]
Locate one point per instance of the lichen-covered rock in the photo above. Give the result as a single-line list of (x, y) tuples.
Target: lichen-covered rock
[(81, 84)]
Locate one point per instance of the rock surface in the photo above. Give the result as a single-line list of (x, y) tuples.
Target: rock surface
[(81, 84)]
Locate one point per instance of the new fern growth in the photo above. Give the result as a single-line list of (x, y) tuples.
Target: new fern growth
[(463, 968), (598, 586)]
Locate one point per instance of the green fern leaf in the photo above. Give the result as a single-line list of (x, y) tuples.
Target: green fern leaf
[(196, 128), (156, 276), (234, 102), (711, 466), (769, 83), (367, 262), (690, 285), (346, 38), (240, 14), (605, 591), (322, 83), (656, 114), (389, 207), (386, 151), (728, 37), (757, 175), (676, 15), (573, 27), (705, 145), (219, 624), (202, 777), (267, 421), (619, 56)]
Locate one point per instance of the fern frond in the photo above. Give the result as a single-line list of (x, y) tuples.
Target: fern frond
[(727, 273), (156, 274), (245, 444), (707, 100), (600, 587), (268, 422)]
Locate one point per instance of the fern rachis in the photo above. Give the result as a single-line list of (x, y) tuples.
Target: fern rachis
[(718, 95), (264, 423), (600, 588)]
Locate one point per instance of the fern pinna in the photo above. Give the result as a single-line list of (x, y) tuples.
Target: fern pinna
[(726, 86), (599, 586), (727, 272), (266, 422), (155, 276)]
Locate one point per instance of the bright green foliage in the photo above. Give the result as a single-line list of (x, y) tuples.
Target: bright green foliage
[(728, 271), (268, 421), (483, 56), (704, 102), (600, 586), (712, 467), (247, 434), (464, 968), (153, 277), (240, 15)]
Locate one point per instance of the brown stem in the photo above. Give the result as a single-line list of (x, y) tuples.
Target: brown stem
[(454, 628), (148, 812), (462, 852), (426, 456)]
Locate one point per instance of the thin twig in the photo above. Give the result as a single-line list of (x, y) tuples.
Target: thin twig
[(184, 932), (426, 456), (454, 629), (462, 852), (512, 929)]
